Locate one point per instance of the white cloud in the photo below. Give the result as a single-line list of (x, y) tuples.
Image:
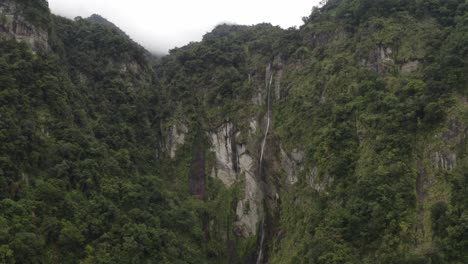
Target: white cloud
[(162, 25)]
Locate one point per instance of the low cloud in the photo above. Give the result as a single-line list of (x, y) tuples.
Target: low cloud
[(163, 25)]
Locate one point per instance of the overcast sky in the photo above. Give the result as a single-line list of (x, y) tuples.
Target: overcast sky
[(160, 25)]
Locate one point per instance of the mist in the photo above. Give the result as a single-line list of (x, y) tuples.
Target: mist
[(163, 25)]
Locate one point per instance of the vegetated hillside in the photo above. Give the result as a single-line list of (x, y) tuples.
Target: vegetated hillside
[(343, 141)]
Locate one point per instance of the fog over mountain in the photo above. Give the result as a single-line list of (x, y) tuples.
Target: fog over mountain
[(343, 140), (162, 25)]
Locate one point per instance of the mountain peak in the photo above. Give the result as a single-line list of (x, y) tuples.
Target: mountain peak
[(98, 19)]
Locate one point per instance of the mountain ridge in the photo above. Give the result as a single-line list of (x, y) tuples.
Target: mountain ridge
[(343, 141)]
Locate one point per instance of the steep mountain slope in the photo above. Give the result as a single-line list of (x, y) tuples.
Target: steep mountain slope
[(97, 19), (343, 141), (26, 21)]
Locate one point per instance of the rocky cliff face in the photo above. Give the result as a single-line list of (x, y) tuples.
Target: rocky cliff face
[(343, 141), (234, 164), (175, 138), (15, 25)]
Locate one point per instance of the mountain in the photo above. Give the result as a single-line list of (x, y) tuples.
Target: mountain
[(97, 19), (26, 21), (343, 141)]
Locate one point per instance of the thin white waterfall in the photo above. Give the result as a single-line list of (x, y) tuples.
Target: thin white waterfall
[(267, 129), (268, 121)]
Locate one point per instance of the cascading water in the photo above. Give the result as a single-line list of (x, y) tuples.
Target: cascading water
[(268, 122), (262, 239), (262, 228)]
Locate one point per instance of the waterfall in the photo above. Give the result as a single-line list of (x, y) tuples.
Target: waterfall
[(268, 121), (262, 238)]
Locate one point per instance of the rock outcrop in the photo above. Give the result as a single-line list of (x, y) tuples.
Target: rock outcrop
[(14, 25), (249, 210), (409, 67), (444, 155), (234, 164), (224, 146), (175, 138), (380, 59), (292, 164)]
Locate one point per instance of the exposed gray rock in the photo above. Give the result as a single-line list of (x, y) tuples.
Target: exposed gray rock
[(131, 67), (175, 138), (258, 98), (444, 155), (278, 65), (317, 181), (298, 156), (273, 77), (222, 146), (234, 164), (380, 59), (444, 160), (253, 125), (278, 77), (13, 25), (292, 164), (409, 67), (249, 210), (320, 38), (288, 167)]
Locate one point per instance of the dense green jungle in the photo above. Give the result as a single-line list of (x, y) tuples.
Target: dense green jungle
[(341, 141)]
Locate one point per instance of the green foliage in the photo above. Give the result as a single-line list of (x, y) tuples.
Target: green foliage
[(439, 219), (36, 12), (79, 175), (452, 225), (85, 177), (212, 73), (359, 120)]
